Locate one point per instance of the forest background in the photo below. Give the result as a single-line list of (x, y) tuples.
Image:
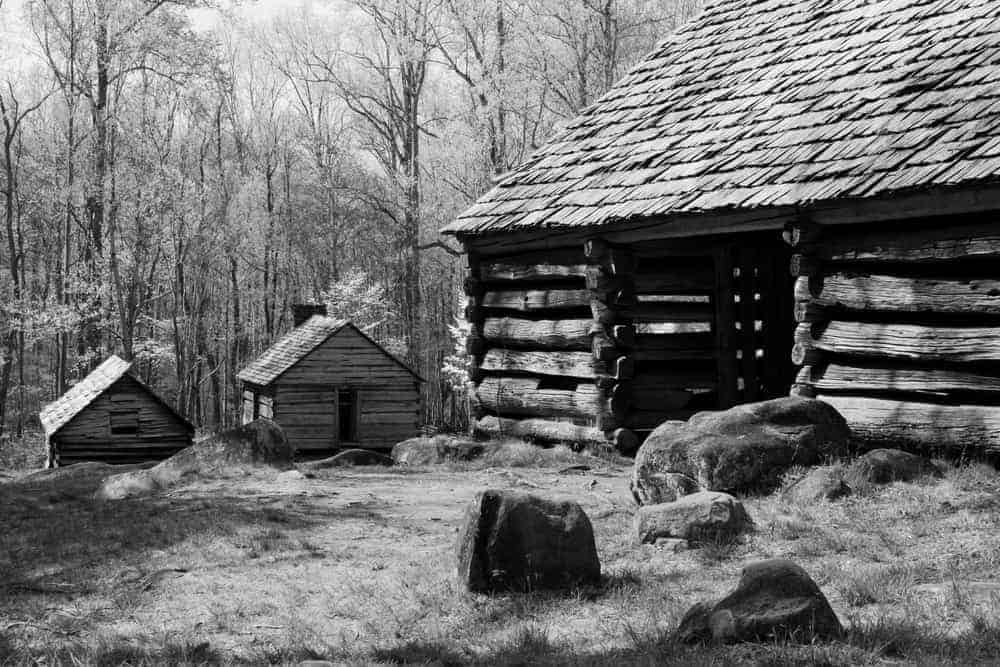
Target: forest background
[(176, 174)]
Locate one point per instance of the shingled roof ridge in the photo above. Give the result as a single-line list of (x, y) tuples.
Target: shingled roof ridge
[(59, 412), (736, 108)]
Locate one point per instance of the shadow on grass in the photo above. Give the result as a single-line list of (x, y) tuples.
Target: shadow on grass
[(57, 527), (873, 645)]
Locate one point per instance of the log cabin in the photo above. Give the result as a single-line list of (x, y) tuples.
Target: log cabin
[(783, 197), (329, 386), (113, 417)]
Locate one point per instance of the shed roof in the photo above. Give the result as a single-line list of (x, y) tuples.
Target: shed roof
[(773, 103), (60, 412), (296, 344)]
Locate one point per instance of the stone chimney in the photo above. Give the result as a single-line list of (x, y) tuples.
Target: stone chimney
[(303, 311)]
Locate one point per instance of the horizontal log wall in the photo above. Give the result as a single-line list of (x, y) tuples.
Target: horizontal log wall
[(536, 358), (676, 350), (899, 328), (88, 437)]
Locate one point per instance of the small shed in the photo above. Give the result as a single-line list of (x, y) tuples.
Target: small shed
[(783, 197), (330, 386), (113, 417)]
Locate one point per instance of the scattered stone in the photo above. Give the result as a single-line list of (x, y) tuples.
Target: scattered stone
[(884, 466), (350, 457), (671, 544), (291, 476), (513, 541), (261, 442), (699, 517), (747, 448), (669, 486), (775, 599), (575, 468), (826, 483), (438, 449)]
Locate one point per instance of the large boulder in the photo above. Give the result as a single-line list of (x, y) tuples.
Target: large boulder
[(438, 449), (703, 516), (744, 449), (775, 599), (884, 466), (261, 442), (518, 542)]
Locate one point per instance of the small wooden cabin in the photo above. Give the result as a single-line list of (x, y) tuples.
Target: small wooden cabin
[(784, 196), (113, 417), (330, 386)]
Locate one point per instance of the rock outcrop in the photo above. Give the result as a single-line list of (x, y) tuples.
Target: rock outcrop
[(259, 443), (884, 466), (519, 542), (826, 483), (699, 517), (775, 599), (438, 449), (744, 449)]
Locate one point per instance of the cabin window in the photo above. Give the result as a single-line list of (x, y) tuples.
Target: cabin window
[(347, 415), (124, 421)]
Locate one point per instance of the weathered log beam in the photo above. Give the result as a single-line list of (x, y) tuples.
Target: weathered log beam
[(842, 377), (521, 271), (570, 334), (536, 300), (541, 430), (566, 364), (906, 341), (673, 328), (942, 243), (522, 396), (856, 291), (920, 425)]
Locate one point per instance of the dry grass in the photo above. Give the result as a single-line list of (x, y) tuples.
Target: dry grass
[(357, 566)]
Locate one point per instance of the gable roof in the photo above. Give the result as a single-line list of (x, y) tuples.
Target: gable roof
[(60, 412), (773, 103), (297, 344)]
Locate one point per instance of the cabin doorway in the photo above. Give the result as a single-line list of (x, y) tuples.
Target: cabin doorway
[(347, 416), (756, 319), (714, 325)]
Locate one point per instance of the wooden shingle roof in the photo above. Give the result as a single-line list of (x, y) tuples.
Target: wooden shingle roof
[(60, 412), (296, 344), (289, 349), (773, 102), (57, 414)]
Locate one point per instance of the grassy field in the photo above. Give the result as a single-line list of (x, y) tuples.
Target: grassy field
[(357, 565)]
